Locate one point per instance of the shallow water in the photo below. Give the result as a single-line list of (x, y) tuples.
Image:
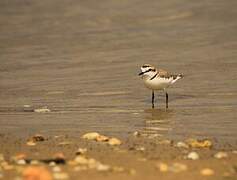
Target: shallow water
[(81, 59)]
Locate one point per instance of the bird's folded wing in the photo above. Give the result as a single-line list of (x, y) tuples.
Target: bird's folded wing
[(164, 74)]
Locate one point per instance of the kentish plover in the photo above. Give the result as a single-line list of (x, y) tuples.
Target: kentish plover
[(157, 79)]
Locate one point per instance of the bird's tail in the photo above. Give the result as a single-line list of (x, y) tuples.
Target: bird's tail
[(177, 77)]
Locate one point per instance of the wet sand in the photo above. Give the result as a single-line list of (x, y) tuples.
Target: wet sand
[(81, 59), (137, 158)]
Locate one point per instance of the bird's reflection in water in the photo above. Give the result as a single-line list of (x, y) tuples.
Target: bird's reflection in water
[(157, 122)]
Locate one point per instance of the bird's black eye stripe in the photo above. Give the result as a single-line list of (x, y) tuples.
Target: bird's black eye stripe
[(151, 70), (148, 70), (145, 66)]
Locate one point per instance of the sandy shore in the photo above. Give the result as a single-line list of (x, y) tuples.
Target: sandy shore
[(137, 157)]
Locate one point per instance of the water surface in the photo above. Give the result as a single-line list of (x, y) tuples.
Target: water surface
[(81, 59)]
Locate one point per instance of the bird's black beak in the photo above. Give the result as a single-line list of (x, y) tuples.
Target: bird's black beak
[(141, 73)]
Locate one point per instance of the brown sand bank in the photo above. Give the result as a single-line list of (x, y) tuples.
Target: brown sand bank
[(137, 157)]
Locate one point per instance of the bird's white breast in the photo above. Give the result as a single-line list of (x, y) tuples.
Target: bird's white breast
[(158, 83)]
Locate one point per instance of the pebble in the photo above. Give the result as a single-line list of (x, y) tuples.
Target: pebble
[(234, 151), (102, 138), (194, 143), (52, 164), (81, 151), (114, 141), (59, 155), (221, 155), (42, 110), (207, 172), (89, 163), (27, 108), (103, 167), (181, 144), (30, 143), (65, 143), (56, 169), (58, 136), (38, 137), (141, 148), (91, 136), (175, 167), (34, 162), (165, 142), (136, 133), (135, 113), (81, 160), (39, 173), (92, 163), (72, 163), (21, 162), (60, 176), (193, 156), (162, 167)]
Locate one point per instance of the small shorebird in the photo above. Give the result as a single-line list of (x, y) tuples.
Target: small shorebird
[(157, 79)]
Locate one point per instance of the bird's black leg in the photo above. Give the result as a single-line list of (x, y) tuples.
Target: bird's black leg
[(167, 99), (153, 98)]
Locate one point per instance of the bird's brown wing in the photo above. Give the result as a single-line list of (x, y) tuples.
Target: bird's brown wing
[(164, 74)]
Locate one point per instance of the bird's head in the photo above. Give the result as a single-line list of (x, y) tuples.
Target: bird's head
[(147, 70)]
